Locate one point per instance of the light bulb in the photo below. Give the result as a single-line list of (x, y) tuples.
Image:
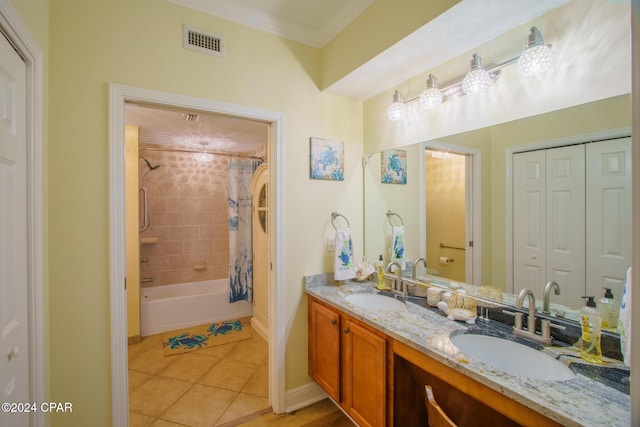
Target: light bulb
[(202, 156), (397, 110), (431, 97), (537, 57), (477, 80)]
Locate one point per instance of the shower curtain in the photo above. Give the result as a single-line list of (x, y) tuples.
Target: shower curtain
[(240, 248)]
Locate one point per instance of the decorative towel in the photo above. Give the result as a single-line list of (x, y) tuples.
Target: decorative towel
[(624, 321), (344, 267), (397, 245)]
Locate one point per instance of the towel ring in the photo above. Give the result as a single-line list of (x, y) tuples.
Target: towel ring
[(390, 214), (334, 215)]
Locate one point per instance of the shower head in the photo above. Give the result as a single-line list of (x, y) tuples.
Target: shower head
[(149, 164)]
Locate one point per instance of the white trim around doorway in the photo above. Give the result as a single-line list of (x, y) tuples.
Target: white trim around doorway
[(19, 36), (118, 95), (473, 222)]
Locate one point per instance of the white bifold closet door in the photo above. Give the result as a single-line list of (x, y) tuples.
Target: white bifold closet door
[(572, 219)]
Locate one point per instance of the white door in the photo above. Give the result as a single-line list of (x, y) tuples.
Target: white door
[(260, 240), (14, 343), (609, 211), (529, 224), (565, 220)]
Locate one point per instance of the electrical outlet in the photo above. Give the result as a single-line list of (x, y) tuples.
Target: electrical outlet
[(331, 243)]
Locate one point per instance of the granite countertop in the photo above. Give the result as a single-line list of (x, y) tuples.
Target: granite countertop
[(580, 401)]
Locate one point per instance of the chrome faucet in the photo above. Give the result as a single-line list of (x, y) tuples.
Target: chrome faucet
[(531, 319), (547, 291), (415, 266), (397, 284)]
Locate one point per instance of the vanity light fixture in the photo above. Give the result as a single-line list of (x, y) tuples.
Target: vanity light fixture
[(397, 110), (431, 97), (477, 80), (203, 156), (536, 58)]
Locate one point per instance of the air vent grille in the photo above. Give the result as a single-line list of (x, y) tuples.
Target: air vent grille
[(200, 41)]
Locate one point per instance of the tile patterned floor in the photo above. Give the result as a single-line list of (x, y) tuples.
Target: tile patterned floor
[(205, 388)]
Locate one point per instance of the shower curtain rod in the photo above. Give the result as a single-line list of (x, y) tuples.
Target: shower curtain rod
[(219, 153)]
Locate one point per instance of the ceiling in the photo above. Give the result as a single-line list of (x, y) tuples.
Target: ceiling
[(315, 22)]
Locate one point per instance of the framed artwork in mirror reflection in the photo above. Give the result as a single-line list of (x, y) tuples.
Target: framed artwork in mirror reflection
[(394, 167)]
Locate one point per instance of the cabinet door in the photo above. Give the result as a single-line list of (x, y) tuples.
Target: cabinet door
[(324, 348), (364, 373)]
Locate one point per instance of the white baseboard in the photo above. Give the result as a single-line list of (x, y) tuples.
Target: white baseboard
[(303, 396), (260, 328)]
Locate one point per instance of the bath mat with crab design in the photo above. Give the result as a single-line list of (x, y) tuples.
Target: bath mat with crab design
[(204, 336)]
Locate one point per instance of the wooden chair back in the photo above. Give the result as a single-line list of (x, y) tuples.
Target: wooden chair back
[(437, 417)]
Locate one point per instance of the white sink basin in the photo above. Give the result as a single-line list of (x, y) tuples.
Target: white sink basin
[(512, 357), (376, 302)]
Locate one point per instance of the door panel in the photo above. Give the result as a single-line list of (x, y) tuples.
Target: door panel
[(565, 192), (260, 242), (609, 210), (529, 225), (14, 344)]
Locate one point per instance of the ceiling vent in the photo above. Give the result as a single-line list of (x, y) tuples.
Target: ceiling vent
[(200, 41), (190, 117)]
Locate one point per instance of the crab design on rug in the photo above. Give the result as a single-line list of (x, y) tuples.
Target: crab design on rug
[(223, 328), (186, 341)]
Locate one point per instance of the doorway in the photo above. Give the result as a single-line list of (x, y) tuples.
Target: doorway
[(459, 188), (119, 95)]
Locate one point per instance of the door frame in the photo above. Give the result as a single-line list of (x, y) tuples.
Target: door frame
[(118, 96), (508, 199), (16, 32), (473, 204)]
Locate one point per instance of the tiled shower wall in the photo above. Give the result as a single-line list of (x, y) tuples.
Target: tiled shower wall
[(187, 205)]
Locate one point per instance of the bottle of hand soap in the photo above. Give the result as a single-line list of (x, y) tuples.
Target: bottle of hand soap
[(380, 270), (609, 309), (591, 322)]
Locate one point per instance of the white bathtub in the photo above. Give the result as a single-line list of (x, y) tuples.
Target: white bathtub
[(170, 307)]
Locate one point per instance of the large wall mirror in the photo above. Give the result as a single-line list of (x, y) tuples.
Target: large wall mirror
[(464, 205)]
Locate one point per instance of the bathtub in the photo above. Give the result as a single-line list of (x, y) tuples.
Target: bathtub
[(170, 307)]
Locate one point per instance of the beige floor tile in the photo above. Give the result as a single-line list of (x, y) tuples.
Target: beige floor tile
[(139, 420), (200, 406), (243, 405), (259, 384), (253, 351), (156, 395), (152, 340), (190, 367), (135, 350), (136, 379), (152, 361), (165, 423), (230, 374), (219, 351)]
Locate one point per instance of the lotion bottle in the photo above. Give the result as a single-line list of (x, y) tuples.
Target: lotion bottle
[(591, 322)]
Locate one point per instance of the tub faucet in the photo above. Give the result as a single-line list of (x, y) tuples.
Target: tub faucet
[(397, 286), (547, 293), (415, 266)]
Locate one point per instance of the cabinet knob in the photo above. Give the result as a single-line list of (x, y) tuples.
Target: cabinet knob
[(333, 321), (346, 330)]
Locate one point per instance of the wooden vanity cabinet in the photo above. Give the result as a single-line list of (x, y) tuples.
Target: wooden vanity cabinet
[(348, 360)]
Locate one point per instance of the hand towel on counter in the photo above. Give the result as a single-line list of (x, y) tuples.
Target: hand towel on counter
[(397, 245), (344, 267), (624, 321)]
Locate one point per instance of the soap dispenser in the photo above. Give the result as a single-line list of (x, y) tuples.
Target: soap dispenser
[(609, 309), (591, 322), (380, 269)]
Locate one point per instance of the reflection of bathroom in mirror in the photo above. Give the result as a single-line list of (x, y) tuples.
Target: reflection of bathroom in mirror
[(591, 45)]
